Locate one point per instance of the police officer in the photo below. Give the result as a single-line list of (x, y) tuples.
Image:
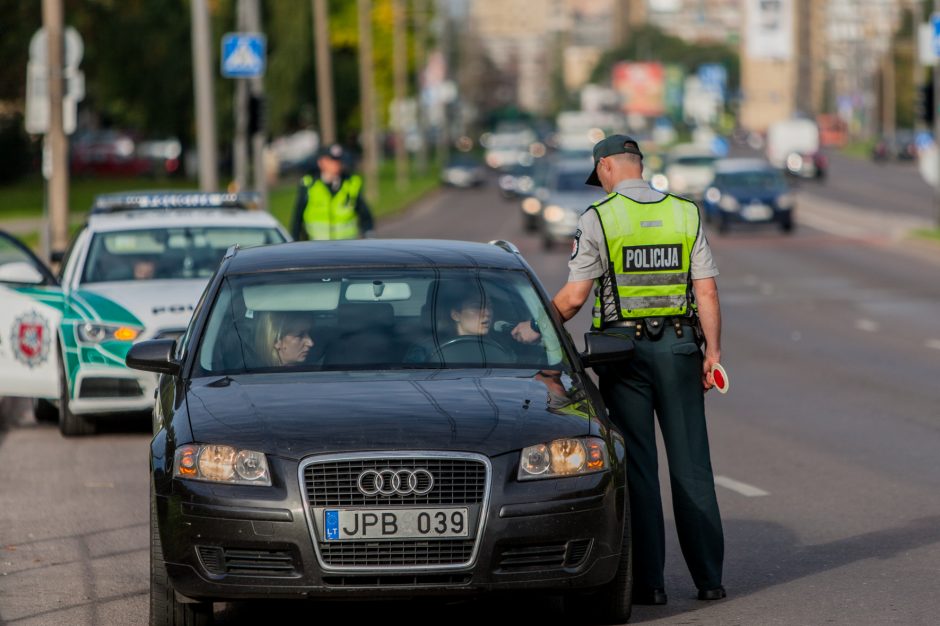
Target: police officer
[(646, 257), (330, 204)]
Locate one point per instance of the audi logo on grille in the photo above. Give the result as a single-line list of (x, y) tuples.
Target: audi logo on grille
[(402, 482)]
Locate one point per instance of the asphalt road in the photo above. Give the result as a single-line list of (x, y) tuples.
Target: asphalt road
[(825, 447)]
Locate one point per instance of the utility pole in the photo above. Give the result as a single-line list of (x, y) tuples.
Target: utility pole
[(205, 104), (917, 13), (52, 18), (420, 20), (321, 41), (256, 90), (370, 147), (240, 141), (887, 94), (400, 71), (443, 133)]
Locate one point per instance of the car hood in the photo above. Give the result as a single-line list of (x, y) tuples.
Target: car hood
[(295, 415), (158, 304)]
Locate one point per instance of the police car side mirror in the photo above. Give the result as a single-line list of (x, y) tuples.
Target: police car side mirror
[(602, 349), (154, 356)]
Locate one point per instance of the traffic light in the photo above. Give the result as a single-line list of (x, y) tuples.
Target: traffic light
[(256, 114), (924, 106)]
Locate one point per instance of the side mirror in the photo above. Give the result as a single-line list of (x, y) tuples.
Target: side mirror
[(601, 349), (154, 356)]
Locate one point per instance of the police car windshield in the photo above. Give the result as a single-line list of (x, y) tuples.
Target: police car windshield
[(394, 319), (166, 253)]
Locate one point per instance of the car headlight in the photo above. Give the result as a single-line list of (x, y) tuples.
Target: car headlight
[(221, 464), (786, 200), (659, 182), (794, 162), (553, 213), (96, 333), (524, 184), (531, 206), (563, 457), (729, 203), (712, 195)]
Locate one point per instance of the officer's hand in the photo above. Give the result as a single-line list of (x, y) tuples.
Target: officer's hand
[(524, 333), (708, 379)]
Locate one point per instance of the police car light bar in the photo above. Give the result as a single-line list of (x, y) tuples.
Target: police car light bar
[(117, 202)]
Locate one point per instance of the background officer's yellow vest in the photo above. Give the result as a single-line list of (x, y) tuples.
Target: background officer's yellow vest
[(328, 215), (649, 247)]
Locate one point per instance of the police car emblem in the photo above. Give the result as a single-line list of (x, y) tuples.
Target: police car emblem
[(576, 244), (30, 339)]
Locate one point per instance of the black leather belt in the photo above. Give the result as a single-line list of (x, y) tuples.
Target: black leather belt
[(668, 321), (653, 327)]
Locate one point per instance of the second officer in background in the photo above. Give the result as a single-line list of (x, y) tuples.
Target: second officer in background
[(330, 202)]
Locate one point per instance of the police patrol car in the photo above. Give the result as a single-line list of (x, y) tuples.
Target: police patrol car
[(134, 272)]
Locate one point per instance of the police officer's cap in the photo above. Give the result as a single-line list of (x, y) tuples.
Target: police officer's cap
[(615, 144), (332, 151)]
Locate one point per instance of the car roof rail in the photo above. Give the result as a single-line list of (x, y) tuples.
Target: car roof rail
[(508, 246), (174, 199)]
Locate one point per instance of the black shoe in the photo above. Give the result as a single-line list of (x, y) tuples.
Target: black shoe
[(712, 594), (649, 596)]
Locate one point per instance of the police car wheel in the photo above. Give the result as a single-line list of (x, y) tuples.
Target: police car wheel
[(165, 609), (70, 425), (45, 411)]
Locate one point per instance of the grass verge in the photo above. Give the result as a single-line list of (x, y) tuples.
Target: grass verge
[(933, 234), (859, 149)]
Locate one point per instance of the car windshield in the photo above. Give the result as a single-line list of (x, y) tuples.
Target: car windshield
[(572, 181), (167, 253), (751, 180), (403, 318)]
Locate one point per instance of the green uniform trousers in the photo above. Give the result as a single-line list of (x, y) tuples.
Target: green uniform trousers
[(665, 378)]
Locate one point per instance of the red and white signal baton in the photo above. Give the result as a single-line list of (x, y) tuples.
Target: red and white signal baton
[(721, 378)]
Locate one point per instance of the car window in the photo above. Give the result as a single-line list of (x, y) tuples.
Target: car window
[(693, 161), (167, 253), (572, 181), (752, 180), (378, 319)]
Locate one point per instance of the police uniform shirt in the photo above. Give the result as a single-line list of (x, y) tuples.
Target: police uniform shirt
[(589, 252)]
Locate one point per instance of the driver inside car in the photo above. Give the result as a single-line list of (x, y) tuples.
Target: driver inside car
[(464, 334)]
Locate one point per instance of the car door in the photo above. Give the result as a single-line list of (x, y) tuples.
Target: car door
[(30, 315)]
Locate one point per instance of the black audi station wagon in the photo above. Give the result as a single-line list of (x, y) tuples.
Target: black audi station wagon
[(364, 419)]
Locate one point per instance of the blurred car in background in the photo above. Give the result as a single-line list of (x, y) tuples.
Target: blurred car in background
[(562, 200), (517, 182), (687, 171), (106, 153), (164, 156), (464, 171), (295, 153), (508, 146), (748, 191), (794, 146), (901, 147)]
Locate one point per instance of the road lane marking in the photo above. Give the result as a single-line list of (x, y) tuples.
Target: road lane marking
[(737, 486), (866, 325), (933, 343)]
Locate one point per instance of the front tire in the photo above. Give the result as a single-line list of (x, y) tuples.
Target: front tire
[(70, 425), (165, 609), (611, 603)]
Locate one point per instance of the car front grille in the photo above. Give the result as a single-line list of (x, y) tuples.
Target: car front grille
[(103, 387), (240, 562), (396, 553), (459, 480), (399, 580), (546, 556), (456, 481)]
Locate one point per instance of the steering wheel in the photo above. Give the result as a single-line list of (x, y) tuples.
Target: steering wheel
[(488, 345)]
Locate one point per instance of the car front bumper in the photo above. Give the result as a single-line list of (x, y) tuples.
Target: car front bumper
[(229, 542), (101, 389)]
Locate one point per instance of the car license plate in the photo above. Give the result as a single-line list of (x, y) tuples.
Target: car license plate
[(756, 212), (377, 524)]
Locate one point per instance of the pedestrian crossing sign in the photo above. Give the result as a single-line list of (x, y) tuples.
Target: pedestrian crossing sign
[(243, 55)]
